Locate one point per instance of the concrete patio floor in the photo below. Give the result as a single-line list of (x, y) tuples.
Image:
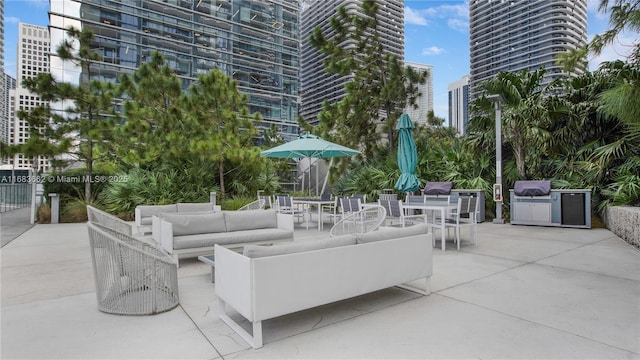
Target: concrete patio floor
[(522, 293)]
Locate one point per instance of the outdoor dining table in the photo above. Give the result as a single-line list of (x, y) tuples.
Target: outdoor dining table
[(313, 201), (443, 208)]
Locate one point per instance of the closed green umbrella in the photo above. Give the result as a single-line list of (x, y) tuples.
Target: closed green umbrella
[(407, 156)]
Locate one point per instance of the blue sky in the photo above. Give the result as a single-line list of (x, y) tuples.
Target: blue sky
[(436, 33)]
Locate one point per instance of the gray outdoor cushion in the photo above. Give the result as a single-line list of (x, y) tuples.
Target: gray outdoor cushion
[(197, 223), (230, 238), (150, 210), (256, 251), (392, 233), (532, 187), (194, 207), (250, 219)]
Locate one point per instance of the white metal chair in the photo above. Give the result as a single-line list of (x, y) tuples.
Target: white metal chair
[(131, 276), (394, 211), (330, 211), (268, 203), (360, 222), (284, 205), (385, 196), (362, 197), (465, 215)]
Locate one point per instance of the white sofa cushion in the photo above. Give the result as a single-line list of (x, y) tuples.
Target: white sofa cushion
[(386, 233), (196, 223), (147, 211), (256, 251), (194, 207), (250, 219), (229, 238)]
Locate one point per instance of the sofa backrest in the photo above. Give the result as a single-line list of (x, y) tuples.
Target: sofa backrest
[(256, 251), (150, 210), (194, 207), (392, 233), (196, 223), (250, 219)]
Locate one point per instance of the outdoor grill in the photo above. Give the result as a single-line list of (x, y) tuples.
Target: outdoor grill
[(534, 202), (438, 188), (530, 188)]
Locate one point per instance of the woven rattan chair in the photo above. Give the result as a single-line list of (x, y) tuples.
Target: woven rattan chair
[(360, 222), (254, 205), (131, 276), (109, 221)]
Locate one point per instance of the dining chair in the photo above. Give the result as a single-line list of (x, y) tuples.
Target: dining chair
[(394, 211), (466, 214), (330, 211), (284, 205), (362, 197)]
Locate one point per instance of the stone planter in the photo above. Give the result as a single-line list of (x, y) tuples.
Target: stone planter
[(624, 221)]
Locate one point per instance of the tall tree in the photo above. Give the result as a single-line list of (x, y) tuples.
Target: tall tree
[(380, 85), (222, 129), (79, 117), (151, 134), (525, 115)]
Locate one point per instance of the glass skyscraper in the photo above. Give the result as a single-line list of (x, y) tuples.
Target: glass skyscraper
[(517, 35), (255, 42)]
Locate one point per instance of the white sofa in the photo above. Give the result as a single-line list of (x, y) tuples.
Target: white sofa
[(269, 281), (145, 213), (193, 234)]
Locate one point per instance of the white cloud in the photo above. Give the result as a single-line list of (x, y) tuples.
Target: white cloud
[(433, 50), (620, 49), (12, 20), (458, 25), (413, 17)]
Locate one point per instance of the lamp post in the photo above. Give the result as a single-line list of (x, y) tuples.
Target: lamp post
[(497, 187)]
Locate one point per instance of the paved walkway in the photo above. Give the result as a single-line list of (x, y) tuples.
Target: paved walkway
[(522, 293), (13, 223)]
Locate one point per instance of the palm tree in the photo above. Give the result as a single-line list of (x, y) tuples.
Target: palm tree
[(525, 115)]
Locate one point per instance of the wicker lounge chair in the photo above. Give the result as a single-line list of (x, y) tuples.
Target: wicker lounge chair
[(131, 276)]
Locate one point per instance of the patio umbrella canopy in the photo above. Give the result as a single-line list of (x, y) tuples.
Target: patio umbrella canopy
[(309, 146), (407, 156)]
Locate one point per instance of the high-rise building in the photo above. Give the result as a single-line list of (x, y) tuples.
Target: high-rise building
[(459, 104), (255, 42), (318, 85), (32, 58), (517, 35), (425, 100), (6, 108)]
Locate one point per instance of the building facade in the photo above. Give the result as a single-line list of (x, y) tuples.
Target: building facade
[(518, 35), (425, 100), (317, 85), (32, 58), (254, 42), (459, 104)]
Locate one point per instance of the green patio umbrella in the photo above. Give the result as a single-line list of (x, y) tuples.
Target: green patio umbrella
[(309, 146), (407, 156)]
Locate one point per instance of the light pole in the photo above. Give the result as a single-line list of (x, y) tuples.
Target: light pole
[(497, 187)]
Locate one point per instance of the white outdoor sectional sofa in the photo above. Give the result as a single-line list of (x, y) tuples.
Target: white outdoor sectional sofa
[(265, 282), (193, 234), (145, 213)]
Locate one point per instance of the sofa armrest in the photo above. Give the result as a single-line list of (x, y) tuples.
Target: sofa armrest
[(234, 280), (166, 235), (138, 218), (156, 232), (285, 221)]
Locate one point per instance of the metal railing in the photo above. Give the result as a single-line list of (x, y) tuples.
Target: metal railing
[(14, 196)]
